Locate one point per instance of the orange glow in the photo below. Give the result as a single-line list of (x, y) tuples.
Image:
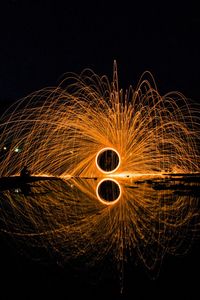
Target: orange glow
[(68, 214), (60, 131), (101, 151), (104, 201)]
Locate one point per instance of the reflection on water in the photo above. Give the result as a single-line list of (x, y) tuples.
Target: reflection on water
[(108, 191), (73, 218)]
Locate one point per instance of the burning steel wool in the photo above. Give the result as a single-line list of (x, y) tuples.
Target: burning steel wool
[(95, 144), (59, 131)]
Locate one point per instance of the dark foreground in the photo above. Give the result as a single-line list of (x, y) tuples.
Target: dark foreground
[(22, 278)]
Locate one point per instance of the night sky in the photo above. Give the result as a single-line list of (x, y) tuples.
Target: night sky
[(42, 40)]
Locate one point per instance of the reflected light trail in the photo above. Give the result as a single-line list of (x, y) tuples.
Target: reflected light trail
[(89, 128)]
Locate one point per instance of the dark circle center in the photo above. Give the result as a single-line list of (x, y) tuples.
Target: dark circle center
[(108, 160), (108, 191)]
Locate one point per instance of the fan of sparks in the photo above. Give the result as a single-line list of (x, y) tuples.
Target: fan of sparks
[(58, 132)]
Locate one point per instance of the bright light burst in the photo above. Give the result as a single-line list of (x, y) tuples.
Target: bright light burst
[(59, 131), (62, 131)]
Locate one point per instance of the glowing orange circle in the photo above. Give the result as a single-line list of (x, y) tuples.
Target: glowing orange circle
[(106, 202), (102, 151)]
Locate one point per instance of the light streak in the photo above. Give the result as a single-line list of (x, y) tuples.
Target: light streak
[(114, 168), (60, 130), (68, 216), (114, 198)]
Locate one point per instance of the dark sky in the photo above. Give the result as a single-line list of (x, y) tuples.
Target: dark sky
[(41, 40)]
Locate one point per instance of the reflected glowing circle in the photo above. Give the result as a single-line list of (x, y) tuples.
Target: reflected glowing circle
[(108, 188), (108, 160)]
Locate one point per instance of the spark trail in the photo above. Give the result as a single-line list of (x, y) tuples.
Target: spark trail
[(59, 131), (68, 131)]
